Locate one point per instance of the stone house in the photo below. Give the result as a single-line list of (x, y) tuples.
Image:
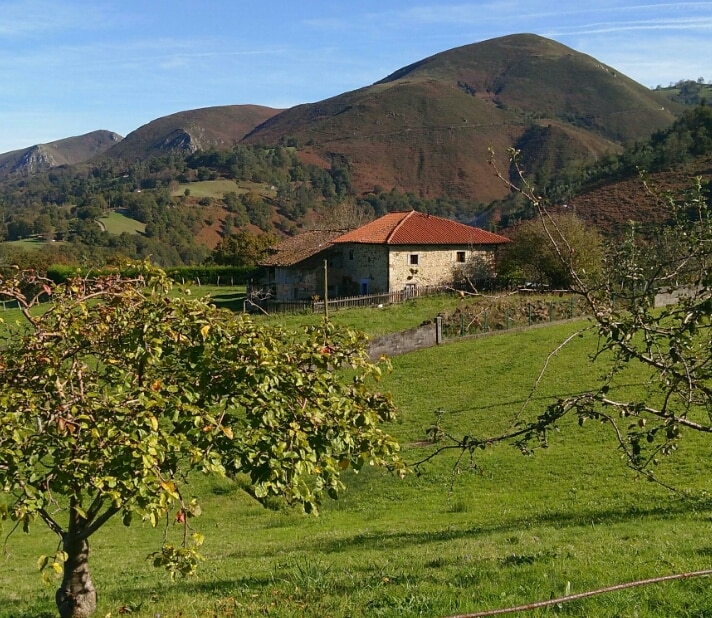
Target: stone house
[(396, 251)]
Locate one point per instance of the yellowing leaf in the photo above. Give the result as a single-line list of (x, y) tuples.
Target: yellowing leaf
[(204, 331), (170, 488)]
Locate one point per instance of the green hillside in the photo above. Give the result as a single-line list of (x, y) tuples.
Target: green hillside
[(118, 223), (496, 531)]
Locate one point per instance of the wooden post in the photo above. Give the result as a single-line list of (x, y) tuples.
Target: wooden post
[(326, 289)]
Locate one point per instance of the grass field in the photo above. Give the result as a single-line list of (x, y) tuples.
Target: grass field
[(28, 244), (117, 223), (217, 188), (454, 539), (374, 320)]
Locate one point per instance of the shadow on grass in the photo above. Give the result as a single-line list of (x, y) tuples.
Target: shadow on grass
[(212, 588), (546, 398), (584, 519), (234, 301)]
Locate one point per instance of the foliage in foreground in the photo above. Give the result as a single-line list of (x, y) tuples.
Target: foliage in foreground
[(118, 390), (673, 345), (514, 531)]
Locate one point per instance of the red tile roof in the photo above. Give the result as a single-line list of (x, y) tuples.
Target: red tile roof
[(417, 228)]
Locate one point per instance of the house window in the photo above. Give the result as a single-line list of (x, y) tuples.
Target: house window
[(460, 257), (413, 259), (351, 255)]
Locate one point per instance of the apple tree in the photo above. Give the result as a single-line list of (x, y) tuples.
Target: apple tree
[(113, 389)]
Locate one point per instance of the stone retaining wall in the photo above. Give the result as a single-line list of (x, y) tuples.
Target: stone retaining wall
[(423, 336)]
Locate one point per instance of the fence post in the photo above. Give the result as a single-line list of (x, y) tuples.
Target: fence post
[(485, 326), (462, 325), (571, 307), (438, 330), (506, 319), (529, 313), (551, 311), (326, 290)]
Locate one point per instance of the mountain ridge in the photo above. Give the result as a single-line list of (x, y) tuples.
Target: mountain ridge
[(67, 151), (428, 129)]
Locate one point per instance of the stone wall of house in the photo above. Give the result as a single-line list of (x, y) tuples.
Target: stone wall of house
[(421, 265), (295, 283), (363, 269), (356, 269)]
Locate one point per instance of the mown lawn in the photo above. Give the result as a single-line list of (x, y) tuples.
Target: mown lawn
[(500, 530), (117, 223)]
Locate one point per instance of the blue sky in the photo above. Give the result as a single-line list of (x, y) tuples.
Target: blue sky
[(68, 67)]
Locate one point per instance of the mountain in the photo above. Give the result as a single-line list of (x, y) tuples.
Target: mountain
[(200, 129), (68, 151), (419, 138), (428, 127)]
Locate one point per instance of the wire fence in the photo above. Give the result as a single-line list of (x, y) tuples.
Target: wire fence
[(509, 313), (368, 300)]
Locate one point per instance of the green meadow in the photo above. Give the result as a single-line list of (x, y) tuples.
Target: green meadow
[(496, 530), (217, 188), (117, 223)]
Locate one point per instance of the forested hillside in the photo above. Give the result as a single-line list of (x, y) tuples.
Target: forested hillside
[(185, 204), (182, 206)]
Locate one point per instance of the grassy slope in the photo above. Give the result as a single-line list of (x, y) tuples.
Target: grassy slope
[(117, 223), (217, 188), (518, 530)]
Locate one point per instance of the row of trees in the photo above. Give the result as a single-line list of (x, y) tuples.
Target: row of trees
[(689, 136)]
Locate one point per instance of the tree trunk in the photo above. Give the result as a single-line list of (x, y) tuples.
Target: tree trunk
[(76, 597)]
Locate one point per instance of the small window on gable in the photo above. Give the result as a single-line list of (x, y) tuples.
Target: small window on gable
[(460, 257), (351, 255), (413, 259)]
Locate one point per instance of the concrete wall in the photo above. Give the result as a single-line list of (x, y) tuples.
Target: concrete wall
[(424, 336), (671, 297)]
